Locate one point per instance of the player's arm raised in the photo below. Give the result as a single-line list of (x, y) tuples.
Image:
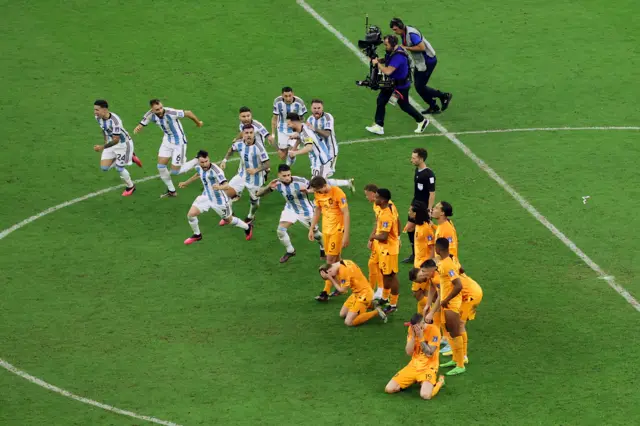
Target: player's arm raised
[(338, 287), (267, 189), (314, 222), (189, 181), (191, 116), (411, 342)]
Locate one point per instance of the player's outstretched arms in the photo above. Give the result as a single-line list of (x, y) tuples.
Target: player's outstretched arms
[(187, 182), (190, 115)]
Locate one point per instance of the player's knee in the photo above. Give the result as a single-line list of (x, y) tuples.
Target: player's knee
[(425, 394), (175, 171), (392, 387), (105, 168), (281, 231), (119, 169), (255, 202), (348, 322)]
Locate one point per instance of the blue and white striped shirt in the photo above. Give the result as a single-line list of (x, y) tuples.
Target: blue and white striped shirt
[(261, 133), (319, 154), (296, 199), (325, 123), (281, 109), (113, 126), (210, 177), (169, 123), (251, 157)]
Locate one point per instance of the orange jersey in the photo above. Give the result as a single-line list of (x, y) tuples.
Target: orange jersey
[(423, 242), (470, 288), (331, 205), (387, 221), (448, 270), (419, 360), (448, 231), (350, 275)]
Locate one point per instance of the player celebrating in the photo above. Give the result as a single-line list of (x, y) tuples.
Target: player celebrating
[(297, 208), (283, 105), (319, 154), (174, 141), (331, 204), (254, 162), (323, 124), (343, 275), (441, 213), (261, 132), (388, 242), (375, 277), (423, 340), (118, 145), (213, 197)]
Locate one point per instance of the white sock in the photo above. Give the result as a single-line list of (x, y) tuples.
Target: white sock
[(188, 166), (255, 204), (126, 177), (284, 238), (193, 222), (338, 182), (239, 223), (166, 178)]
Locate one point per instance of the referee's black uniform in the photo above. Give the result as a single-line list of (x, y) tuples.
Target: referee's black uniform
[(424, 183)]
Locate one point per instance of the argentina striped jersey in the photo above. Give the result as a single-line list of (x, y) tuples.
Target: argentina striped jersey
[(281, 109), (296, 199), (113, 126), (325, 123), (251, 157), (169, 123), (319, 153), (210, 177)]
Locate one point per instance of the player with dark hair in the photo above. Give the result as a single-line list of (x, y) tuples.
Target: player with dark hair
[(284, 104), (375, 276), (441, 213)]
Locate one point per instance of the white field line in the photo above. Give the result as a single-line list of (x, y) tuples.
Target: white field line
[(480, 163)]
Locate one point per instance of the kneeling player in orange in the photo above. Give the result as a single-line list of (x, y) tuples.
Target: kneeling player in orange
[(471, 298), (331, 204), (343, 275), (423, 341)]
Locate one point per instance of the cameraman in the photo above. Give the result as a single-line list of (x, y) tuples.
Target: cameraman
[(424, 62), (397, 69)]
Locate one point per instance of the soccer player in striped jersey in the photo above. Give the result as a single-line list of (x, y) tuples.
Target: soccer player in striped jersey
[(319, 154), (117, 150), (261, 132), (254, 162), (213, 198), (283, 105), (174, 141), (323, 124), (297, 208)]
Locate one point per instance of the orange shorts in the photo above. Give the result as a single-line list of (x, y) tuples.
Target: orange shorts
[(333, 243), (359, 303), (410, 375), (388, 262), (469, 306)]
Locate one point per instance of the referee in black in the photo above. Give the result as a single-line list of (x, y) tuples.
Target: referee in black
[(424, 190)]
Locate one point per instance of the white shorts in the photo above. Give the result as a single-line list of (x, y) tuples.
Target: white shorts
[(324, 170), (239, 184), (283, 140), (122, 153), (288, 215), (177, 153), (204, 204)]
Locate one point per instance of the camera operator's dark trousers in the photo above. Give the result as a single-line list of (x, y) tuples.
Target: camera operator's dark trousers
[(420, 80), (403, 103)]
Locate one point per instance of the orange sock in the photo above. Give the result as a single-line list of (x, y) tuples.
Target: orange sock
[(465, 339), (421, 304), (364, 317), (385, 293), (327, 286), (437, 387), (375, 279), (457, 349), (394, 299)]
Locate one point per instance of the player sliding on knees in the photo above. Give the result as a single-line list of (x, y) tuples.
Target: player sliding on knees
[(213, 197), (297, 208), (346, 274), (174, 141), (254, 163), (423, 341)]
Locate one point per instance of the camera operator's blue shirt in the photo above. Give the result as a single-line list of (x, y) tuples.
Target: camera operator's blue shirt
[(401, 64)]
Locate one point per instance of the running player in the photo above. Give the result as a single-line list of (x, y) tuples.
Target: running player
[(424, 242), (375, 277), (118, 146), (254, 162), (323, 124), (319, 154), (355, 310), (283, 105), (174, 141), (297, 208), (441, 213), (388, 242), (261, 132), (331, 204), (423, 340), (213, 197)]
